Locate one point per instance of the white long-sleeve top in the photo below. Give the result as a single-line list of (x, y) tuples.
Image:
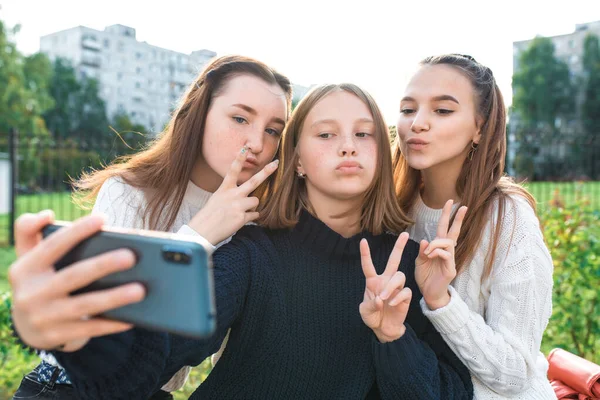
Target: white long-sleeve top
[(495, 326)]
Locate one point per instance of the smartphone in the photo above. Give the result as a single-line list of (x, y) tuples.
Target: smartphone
[(175, 270)]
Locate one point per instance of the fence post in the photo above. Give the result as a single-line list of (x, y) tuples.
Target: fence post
[(12, 150)]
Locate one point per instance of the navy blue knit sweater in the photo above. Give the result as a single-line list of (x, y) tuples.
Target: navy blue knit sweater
[(291, 299)]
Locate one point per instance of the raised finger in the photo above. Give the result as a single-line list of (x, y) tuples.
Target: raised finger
[(251, 184), (396, 256), (230, 180), (454, 232), (365, 260), (444, 222)]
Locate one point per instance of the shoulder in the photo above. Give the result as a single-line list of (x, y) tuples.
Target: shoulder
[(116, 190)]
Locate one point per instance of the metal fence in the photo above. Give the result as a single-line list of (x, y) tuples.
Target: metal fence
[(42, 169)]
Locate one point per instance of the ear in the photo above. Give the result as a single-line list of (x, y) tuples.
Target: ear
[(299, 168), (477, 136)]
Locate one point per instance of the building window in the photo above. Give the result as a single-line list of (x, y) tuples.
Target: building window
[(120, 46), (119, 76), (574, 59), (138, 70), (137, 99), (138, 55), (571, 44), (106, 43), (138, 85)]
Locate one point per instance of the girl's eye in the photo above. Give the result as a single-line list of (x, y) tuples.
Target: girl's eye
[(443, 111), (239, 120), (362, 134), (407, 111), (273, 132), (325, 135)]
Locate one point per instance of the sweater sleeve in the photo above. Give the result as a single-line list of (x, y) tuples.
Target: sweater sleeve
[(501, 349), (409, 368), (133, 364)]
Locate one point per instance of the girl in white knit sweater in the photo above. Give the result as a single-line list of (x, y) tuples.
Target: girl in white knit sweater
[(492, 308), (225, 132)]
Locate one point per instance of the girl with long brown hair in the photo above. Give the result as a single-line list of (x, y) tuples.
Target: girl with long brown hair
[(225, 133), (492, 308), (317, 306)]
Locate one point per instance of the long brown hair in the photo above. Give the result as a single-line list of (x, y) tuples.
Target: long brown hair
[(165, 166), (380, 211), (481, 182)]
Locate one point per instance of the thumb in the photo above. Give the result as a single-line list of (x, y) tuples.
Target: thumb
[(28, 230)]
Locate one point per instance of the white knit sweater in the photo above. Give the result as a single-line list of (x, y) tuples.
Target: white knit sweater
[(123, 206), (495, 326)]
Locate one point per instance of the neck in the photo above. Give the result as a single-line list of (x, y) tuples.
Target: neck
[(328, 210), (439, 183), (205, 177)]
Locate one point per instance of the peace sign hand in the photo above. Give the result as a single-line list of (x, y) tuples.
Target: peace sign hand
[(435, 266), (386, 300), (230, 208)]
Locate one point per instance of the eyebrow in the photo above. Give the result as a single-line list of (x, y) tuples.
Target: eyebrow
[(436, 98), (333, 121), (252, 111)]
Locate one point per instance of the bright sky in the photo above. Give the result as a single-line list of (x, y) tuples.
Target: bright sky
[(373, 43)]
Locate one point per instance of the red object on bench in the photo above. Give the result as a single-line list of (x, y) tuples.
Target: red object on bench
[(573, 377)]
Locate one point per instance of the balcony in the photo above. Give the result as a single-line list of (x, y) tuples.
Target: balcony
[(90, 44), (92, 61)]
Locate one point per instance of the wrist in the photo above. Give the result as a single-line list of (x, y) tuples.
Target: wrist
[(382, 338), (439, 302)]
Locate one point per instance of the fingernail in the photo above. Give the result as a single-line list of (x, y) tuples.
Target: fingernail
[(393, 302), (125, 256), (275, 162), (46, 214), (384, 295)]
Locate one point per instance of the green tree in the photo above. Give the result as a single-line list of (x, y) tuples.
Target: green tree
[(91, 110), (23, 94), (542, 86), (78, 111), (591, 68), (590, 110), (62, 119)]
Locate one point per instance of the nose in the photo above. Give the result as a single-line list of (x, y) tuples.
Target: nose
[(419, 123), (255, 140), (348, 146)]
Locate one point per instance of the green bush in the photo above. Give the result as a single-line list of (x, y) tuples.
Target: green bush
[(15, 362), (572, 234)]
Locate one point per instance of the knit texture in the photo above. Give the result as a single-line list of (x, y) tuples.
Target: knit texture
[(291, 299), (496, 326)]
